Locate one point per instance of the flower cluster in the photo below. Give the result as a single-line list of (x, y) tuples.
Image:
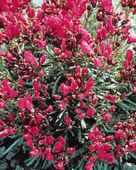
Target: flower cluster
[(129, 3), (64, 81)]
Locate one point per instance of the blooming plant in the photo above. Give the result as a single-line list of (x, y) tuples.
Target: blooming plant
[(67, 85)]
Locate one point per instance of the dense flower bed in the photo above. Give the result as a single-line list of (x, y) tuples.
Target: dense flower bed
[(68, 82)]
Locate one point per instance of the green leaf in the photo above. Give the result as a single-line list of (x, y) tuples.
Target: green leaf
[(108, 130), (83, 124), (14, 145), (129, 166), (131, 102), (49, 50), (19, 168), (80, 165), (47, 164), (133, 155), (37, 162), (102, 166), (56, 85), (3, 47), (2, 63), (123, 106), (10, 155), (2, 149), (31, 161), (3, 165), (79, 152)]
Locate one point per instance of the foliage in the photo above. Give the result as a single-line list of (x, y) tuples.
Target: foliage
[(67, 85)]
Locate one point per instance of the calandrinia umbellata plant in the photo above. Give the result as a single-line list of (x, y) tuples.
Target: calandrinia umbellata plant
[(67, 84)]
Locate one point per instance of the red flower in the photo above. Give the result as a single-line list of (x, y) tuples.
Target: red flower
[(85, 36), (89, 84), (112, 108), (109, 138), (67, 120), (128, 60), (97, 62), (106, 117), (40, 43), (57, 51), (59, 145), (104, 156), (64, 89), (21, 115), (7, 132), (76, 8), (120, 135), (48, 140), (132, 146), (118, 150), (36, 86), (93, 2), (31, 12), (2, 123), (12, 30), (89, 165), (10, 58), (105, 148), (39, 118), (80, 114), (48, 154), (34, 152), (129, 55), (70, 150), (95, 134), (30, 59), (73, 84), (21, 82), (109, 25), (55, 29), (4, 5), (134, 89), (56, 25), (106, 51), (110, 98), (131, 39), (49, 109), (101, 33), (25, 103), (94, 100), (2, 104), (42, 59), (62, 104), (78, 71), (34, 130), (11, 117), (85, 71), (7, 89), (4, 133), (85, 47), (90, 112), (106, 5), (28, 139), (59, 165)]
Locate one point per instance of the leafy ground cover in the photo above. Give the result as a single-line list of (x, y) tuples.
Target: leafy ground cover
[(67, 85)]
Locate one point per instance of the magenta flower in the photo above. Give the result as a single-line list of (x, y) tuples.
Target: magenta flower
[(25, 103), (30, 58), (12, 31), (7, 90)]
